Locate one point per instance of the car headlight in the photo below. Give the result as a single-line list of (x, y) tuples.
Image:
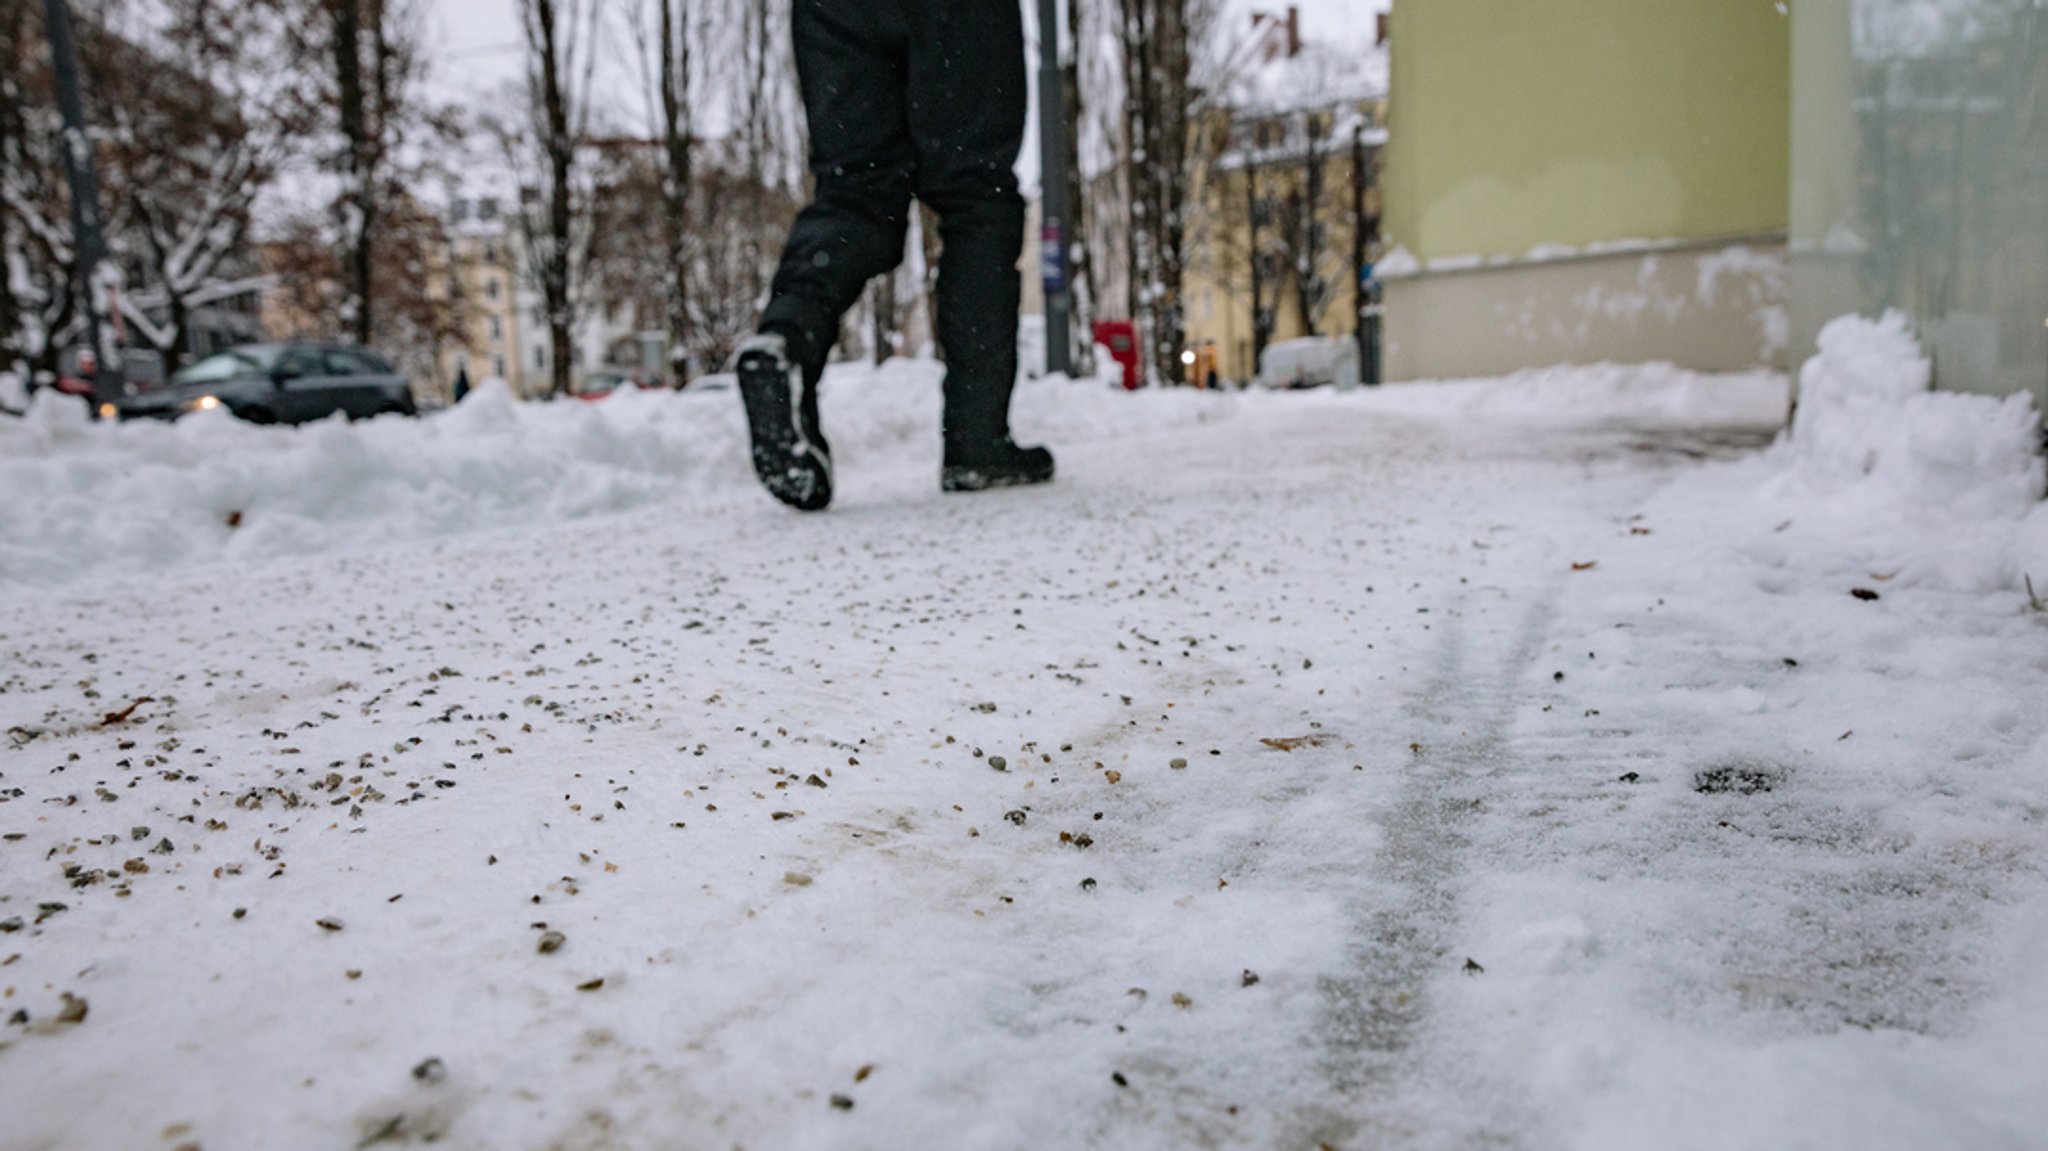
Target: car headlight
[(202, 404), (109, 411)]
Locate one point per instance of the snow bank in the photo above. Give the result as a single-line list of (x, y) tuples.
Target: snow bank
[(13, 396), (1921, 486), (86, 498)]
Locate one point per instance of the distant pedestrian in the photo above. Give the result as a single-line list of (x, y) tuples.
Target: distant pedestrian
[(461, 381), (905, 98)]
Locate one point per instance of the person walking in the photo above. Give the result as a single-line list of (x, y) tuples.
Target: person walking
[(904, 98)]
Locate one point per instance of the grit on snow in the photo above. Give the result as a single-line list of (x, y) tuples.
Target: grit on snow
[(1539, 763)]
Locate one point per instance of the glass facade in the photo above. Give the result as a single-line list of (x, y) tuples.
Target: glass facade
[(1920, 179)]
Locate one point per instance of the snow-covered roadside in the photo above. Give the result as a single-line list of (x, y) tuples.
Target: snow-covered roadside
[(1832, 839), (139, 497), (745, 763)]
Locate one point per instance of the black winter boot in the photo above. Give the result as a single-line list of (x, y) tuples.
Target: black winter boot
[(790, 453), (1000, 465)]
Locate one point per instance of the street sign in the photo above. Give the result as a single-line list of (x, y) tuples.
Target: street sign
[(1052, 252)]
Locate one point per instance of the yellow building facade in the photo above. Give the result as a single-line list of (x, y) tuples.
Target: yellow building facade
[(1586, 180), (1287, 197), (484, 276)]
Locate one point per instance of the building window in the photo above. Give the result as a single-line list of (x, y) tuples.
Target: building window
[(497, 329), (491, 288), (540, 358), (498, 366)]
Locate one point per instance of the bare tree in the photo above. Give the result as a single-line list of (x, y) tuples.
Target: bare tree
[(1306, 215), (415, 319), (13, 130), (193, 144), (670, 82), (1078, 248), (561, 48), (359, 100), (380, 137), (678, 147), (34, 196), (757, 134), (738, 223), (1162, 108)]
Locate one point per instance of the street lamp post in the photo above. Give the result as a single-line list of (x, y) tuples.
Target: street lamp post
[(1052, 150), (1364, 238), (95, 273)]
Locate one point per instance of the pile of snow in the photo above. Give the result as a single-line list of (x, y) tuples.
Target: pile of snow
[(1911, 484), (13, 395), (85, 498)]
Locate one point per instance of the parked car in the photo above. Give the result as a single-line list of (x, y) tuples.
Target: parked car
[(598, 385), (280, 384), (1310, 362)]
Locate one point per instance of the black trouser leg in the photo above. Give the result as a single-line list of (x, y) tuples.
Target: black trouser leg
[(966, 113), (852, 63)]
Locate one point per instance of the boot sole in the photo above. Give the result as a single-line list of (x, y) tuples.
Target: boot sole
[(977, 480), (788, 464)]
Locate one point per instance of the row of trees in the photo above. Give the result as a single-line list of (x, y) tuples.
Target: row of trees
[(656, 149), (670, 213), (198, 109), (300, 138)]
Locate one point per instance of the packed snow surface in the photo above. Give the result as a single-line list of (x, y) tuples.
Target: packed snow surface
[(1550, 762)]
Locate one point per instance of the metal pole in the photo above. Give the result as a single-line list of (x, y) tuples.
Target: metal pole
[(1365, 235), (1052, 152), (95, 273)]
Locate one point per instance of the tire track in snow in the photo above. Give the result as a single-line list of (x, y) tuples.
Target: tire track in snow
[(1376, 1034)]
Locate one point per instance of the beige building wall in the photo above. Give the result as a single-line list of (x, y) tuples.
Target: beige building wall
[(1586, 180), (484, 277), (1217, 294), (1709, 308)]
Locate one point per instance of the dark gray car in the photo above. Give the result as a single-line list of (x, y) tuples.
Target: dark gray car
[(280, 384)]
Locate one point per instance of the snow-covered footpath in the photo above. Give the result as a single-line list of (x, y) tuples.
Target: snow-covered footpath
[(1552, 762)]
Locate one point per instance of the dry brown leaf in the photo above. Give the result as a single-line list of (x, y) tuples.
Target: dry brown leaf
[(1289, 743)]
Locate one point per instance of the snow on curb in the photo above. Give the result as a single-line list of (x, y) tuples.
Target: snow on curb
[(1636, 395), (86, 499), (13, 396)]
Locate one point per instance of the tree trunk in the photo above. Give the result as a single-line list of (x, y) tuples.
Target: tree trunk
[(1082, 272), (678, 141), (1171, 39), (1315, 290), (358, 198), (13, 33), (1262, 319), (1138, 121), (559, 149), (882, 301), (180, 329), (928, 236), (757, 148), (1155, 37)]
